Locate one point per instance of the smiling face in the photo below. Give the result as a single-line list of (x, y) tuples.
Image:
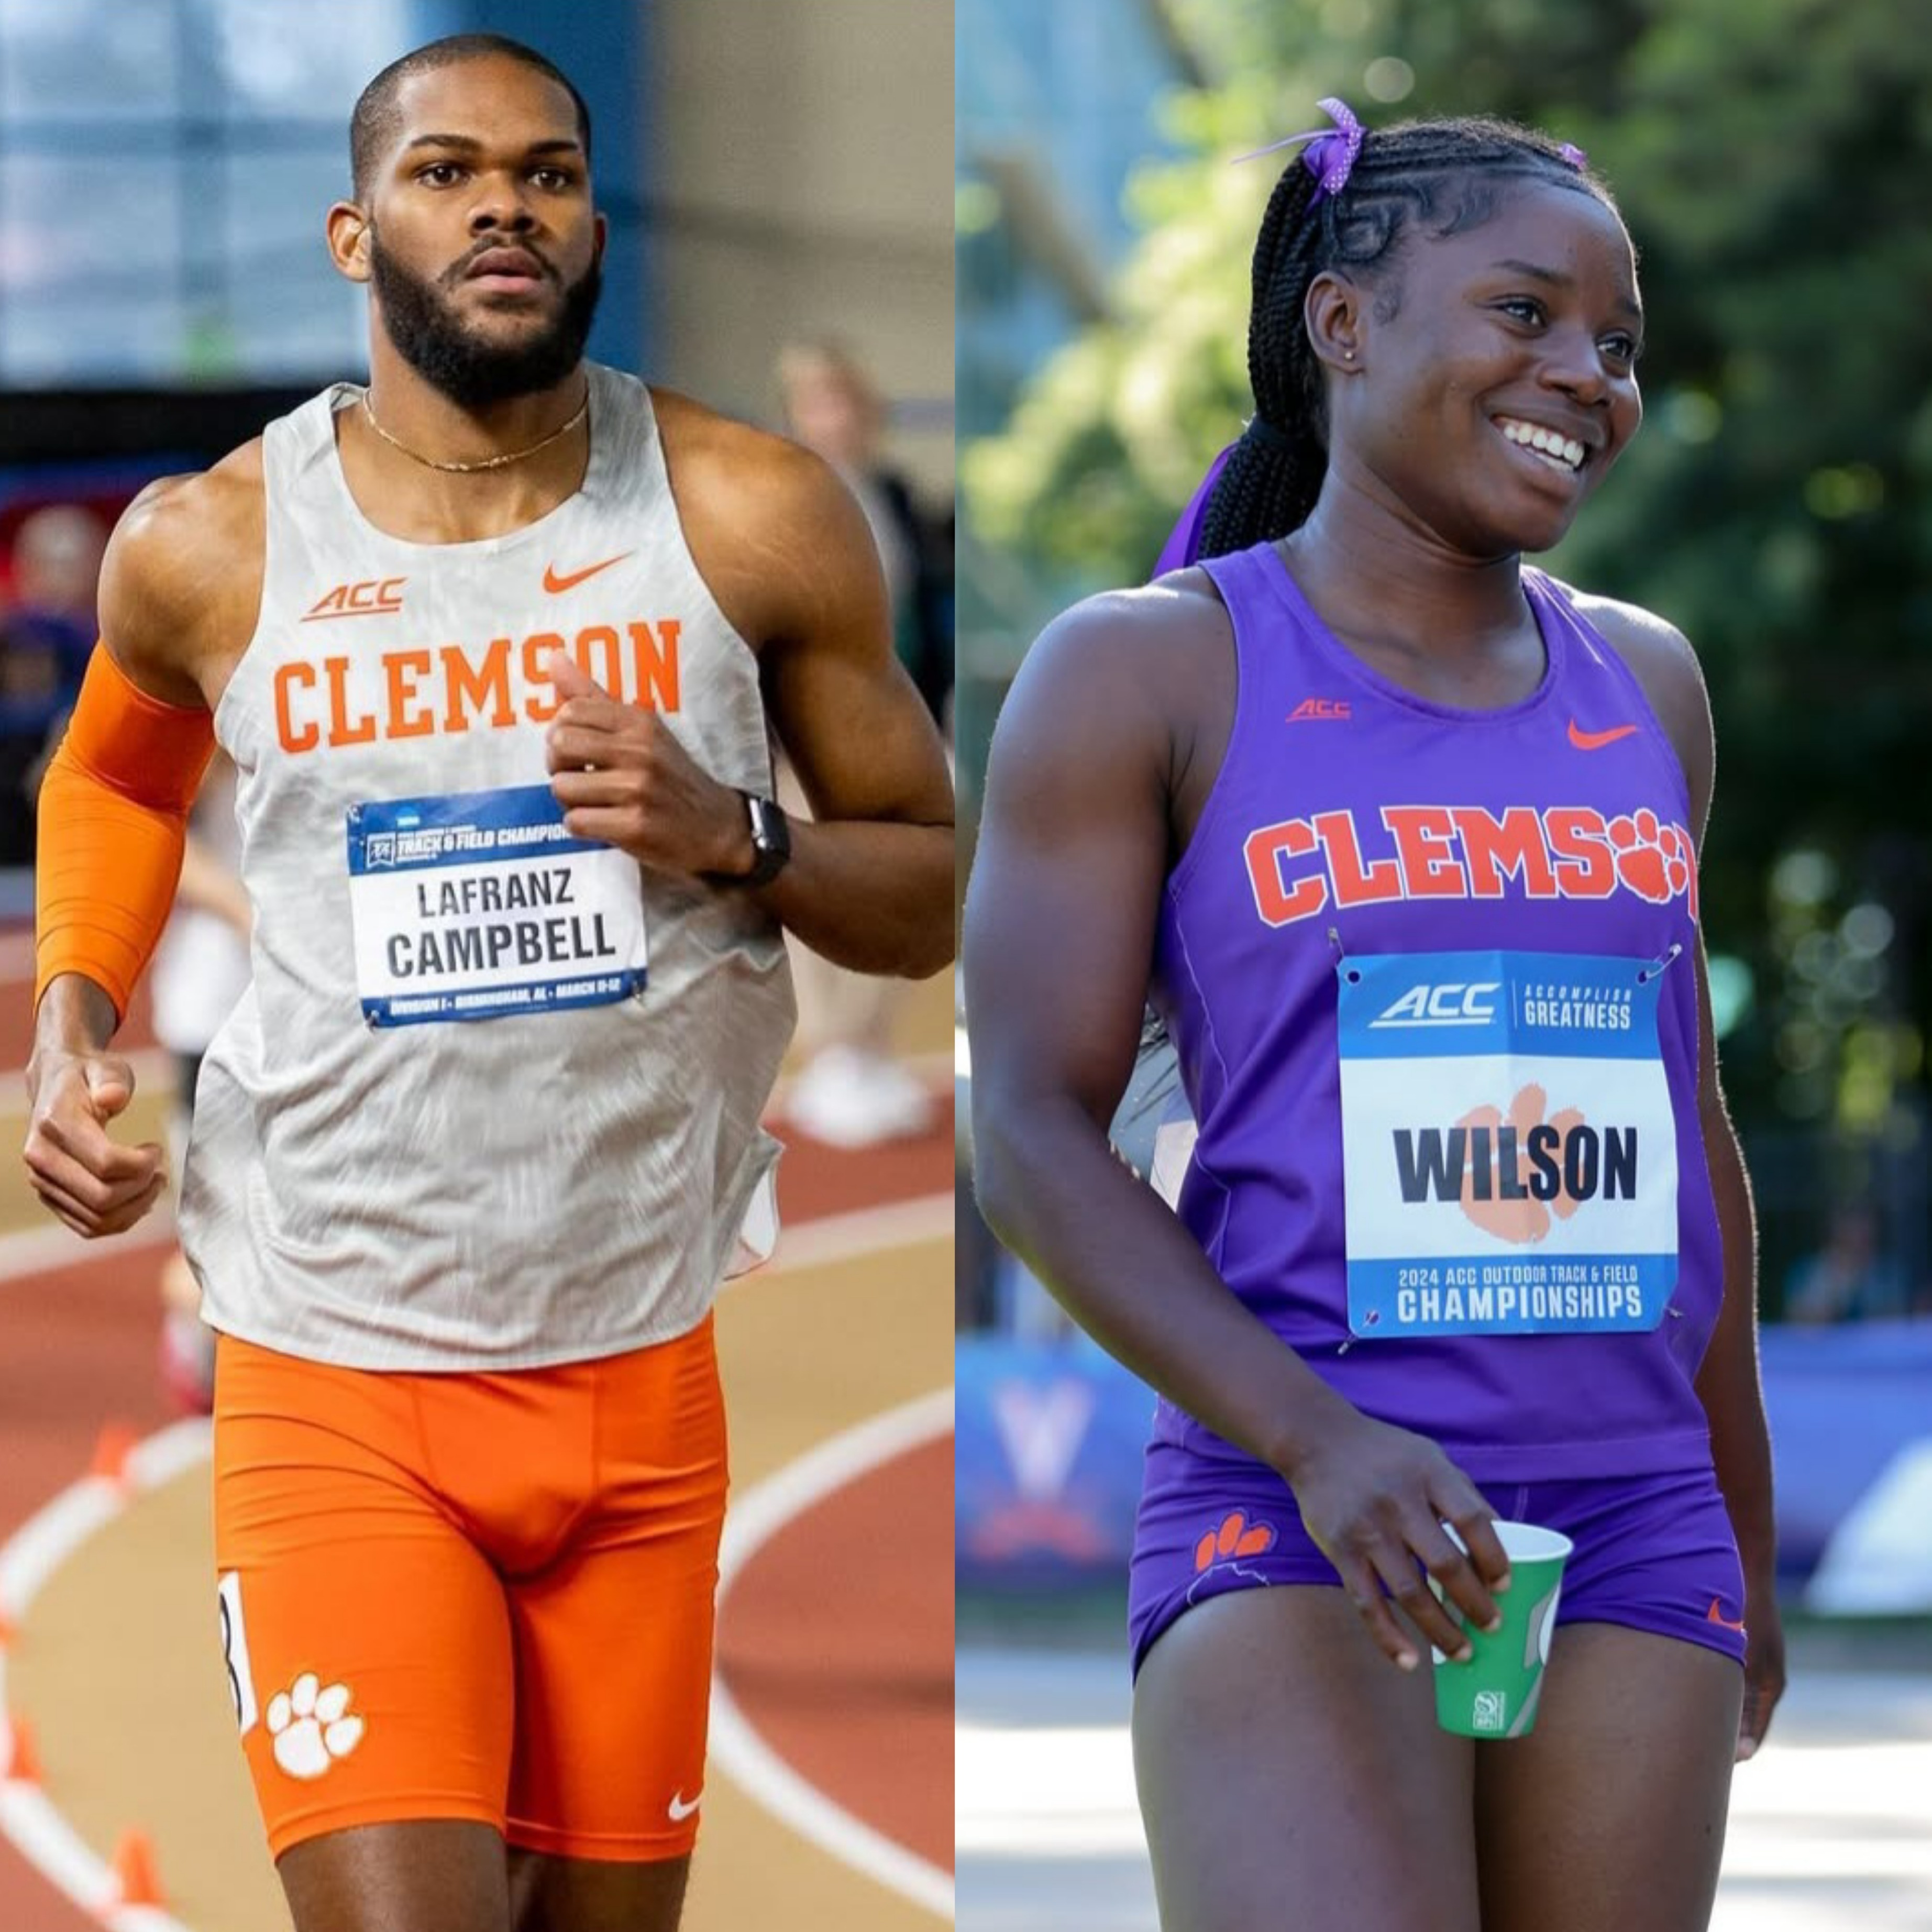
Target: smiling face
[(1497, 379), (480, 239)]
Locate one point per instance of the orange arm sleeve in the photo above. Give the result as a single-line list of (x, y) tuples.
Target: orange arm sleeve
[(113, 817)]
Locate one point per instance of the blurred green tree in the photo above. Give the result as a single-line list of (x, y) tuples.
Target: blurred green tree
[(1772, 157)]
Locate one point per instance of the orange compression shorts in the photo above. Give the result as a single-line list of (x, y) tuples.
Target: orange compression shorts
[(483, 1596)]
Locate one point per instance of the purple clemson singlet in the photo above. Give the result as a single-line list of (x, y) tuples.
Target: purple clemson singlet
[(1431, 976)]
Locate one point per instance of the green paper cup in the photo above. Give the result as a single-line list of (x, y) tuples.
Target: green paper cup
[(1495, 1694)]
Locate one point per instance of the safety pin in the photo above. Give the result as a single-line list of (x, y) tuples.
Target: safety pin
[(1657, 968), (1342, 965)]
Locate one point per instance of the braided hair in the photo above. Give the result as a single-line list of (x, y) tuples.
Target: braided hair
[(1448, 176)]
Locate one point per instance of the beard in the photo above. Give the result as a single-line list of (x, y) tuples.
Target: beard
[(448, 353)]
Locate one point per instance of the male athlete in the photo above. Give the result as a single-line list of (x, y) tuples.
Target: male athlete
[(496, 646)]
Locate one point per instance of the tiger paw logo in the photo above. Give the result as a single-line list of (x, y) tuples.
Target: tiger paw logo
[(1654, 860), (1235, 1538), (1512, 1210), (311, 1727)]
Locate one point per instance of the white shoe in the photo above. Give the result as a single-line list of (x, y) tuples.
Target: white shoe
[(849, 1098)]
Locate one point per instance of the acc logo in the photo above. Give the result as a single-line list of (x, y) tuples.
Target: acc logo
[(1426, 1006), (377, 597)]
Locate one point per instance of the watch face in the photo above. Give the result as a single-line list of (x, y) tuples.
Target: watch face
[(771, 837), (770, 829)]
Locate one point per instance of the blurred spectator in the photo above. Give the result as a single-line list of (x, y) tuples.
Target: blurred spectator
[(832, 407), (46, 635), (852, 1092), (1848, 1279)]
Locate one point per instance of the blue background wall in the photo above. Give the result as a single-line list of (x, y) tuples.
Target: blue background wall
[(1049, 1441)]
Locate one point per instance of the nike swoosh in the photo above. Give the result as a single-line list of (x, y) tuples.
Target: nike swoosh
[(679, 1810), (553, 584), (1715, 1615), (1595, 741)]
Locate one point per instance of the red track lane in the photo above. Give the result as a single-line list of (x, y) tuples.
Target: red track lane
[(857, 1698), (815, 1180)]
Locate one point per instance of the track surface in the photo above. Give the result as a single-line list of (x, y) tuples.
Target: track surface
[(835, 1639)]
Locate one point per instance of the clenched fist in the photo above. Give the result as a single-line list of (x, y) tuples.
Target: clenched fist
[(97, 1186), (622, 777)]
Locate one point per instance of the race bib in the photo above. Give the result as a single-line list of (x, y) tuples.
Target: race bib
[(476, 905), (1509, 1148)]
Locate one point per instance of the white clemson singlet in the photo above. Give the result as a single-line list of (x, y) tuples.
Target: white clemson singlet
[(492, 1098)]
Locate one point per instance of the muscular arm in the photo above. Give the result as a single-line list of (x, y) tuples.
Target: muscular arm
[(1728, 1383), (1059, 943), (111, 812), (1060, 921), (789, 557), (1060, 930), (113, 821)]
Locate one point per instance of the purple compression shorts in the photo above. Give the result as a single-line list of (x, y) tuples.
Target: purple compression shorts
[(1653, 1552)]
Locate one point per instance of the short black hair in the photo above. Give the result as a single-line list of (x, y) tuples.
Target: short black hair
[(373, 124), (1445, 176)]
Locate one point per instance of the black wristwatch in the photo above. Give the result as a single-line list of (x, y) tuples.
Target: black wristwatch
[(771, 843)]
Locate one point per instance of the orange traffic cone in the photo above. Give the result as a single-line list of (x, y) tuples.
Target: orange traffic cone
[(111, 1448), (136, 1881), (23, 1755)]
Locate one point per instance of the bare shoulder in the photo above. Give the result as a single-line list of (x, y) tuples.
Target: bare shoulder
[(1154, 638), (708, 451), (1656, 650), (181, 585), (778, 538), (1145, 670), (1661, 659)]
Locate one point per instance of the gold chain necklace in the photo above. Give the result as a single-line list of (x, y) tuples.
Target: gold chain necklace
[(485, 463)]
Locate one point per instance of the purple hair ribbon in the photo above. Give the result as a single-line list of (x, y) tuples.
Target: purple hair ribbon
[(1330, 153), (1183, 541), (1574, 155)]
